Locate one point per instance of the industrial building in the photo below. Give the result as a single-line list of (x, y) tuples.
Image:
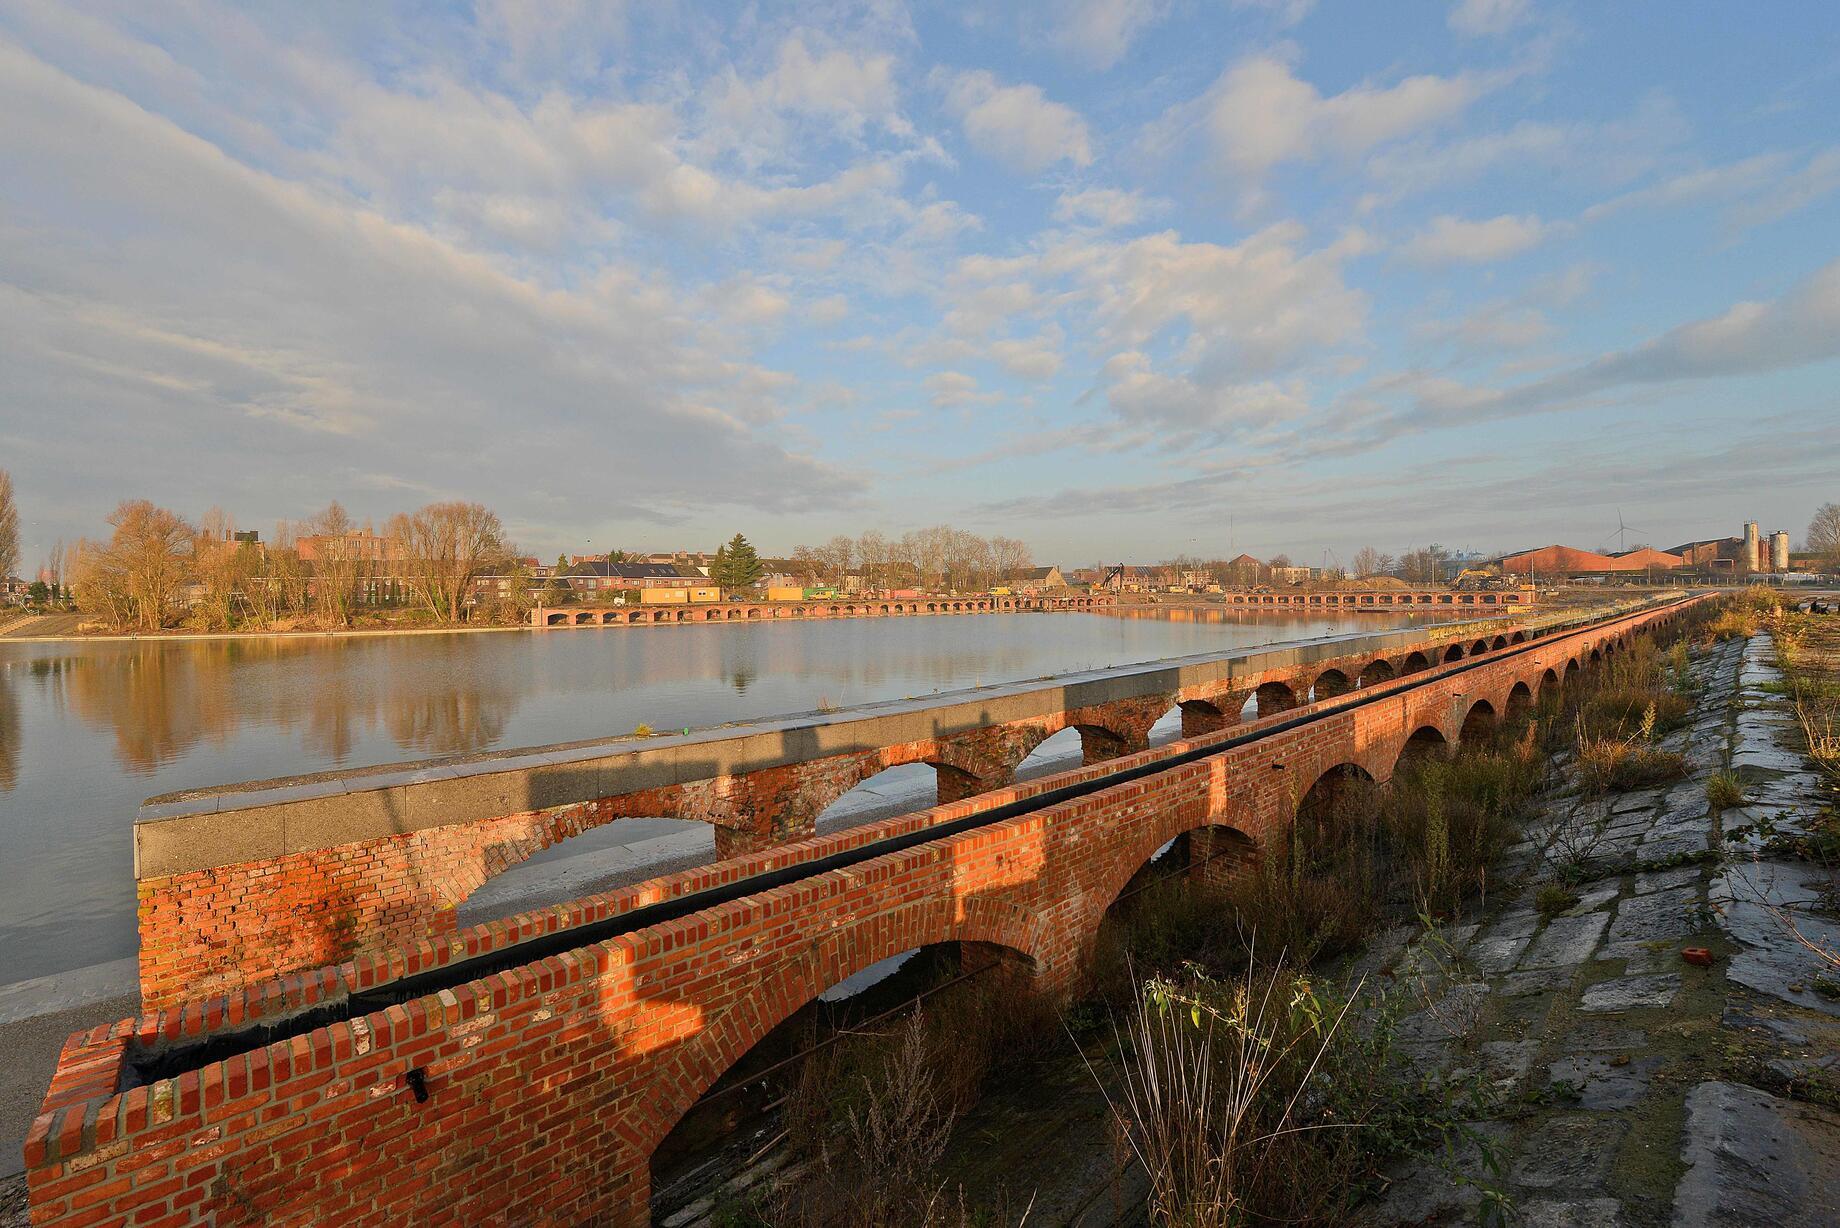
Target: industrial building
[(1749, 553)]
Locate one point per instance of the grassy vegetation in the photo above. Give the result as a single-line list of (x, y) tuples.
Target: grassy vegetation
[(1260, 1100), (1724, 791)]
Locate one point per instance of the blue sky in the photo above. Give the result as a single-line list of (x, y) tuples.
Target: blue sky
[(1119, 277)]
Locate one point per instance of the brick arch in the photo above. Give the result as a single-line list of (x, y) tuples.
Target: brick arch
[(1479, 721), (1413, 662), (1427, 740), (1377, 671), (1123, 867), (1519, 702), (1274, 696), (695, 1066), (1330, 683), (1202, 716), (1453, 653)]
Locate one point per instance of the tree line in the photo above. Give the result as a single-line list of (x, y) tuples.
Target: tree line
[(940, 557), (157, 568)]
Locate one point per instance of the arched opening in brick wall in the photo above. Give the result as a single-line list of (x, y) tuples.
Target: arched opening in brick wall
[(1571, 674), (794, 1087), (1066, 750), (599, 859), (900, 789), (1478, 648), (1520, 705), (1415, 661), (1334, 795), (1500, 641), (1269, 699), (1426, 742), (1195, 717), (1329, 684), (1378, 670), (1519, 637), (1478, 724), (1168, 727), (1453, 653)]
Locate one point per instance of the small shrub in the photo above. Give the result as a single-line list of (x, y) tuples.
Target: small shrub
[(1724, 791), (1552, 899), (642, 730)]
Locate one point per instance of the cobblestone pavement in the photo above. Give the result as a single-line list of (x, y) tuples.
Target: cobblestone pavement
[(1631, 1086)]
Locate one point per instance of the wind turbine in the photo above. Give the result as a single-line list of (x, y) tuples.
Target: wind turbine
[(1622, 528)]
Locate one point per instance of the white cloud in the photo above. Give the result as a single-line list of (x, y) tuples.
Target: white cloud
[(1253, 308), (1454, 240), (1494, 326), (1610, 152), (952, 389), (1260, 114), (1101, 31), (1486, 17), (1755, 190), (1030, 358), (1282, 12), (1017, 123), (208, 313), (829, 310), (1106, 207), (1143, 396)]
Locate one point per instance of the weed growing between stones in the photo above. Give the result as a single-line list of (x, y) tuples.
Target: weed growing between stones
[(1552, 899), (1724, 791), (1260, 1099)]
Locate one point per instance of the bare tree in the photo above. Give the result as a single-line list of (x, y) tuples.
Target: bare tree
[(54, 568), (9, 527), (446, 547), (872, 557), (337, 562), (1368, 561), (1011, 557), (222, 567), (135, 579), (1823, 533)]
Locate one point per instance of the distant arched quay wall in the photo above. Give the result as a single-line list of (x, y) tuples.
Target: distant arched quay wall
[(457, 1094)]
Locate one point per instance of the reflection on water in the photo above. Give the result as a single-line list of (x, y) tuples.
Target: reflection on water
[(89, 730), (9, 732)]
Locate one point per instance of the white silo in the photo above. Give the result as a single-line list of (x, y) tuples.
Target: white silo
[(1753, 559), (1779, 551)]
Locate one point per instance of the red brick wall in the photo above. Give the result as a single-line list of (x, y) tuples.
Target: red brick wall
[(209, 931), (550, 1085)]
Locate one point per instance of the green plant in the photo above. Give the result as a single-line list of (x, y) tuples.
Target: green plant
[(1724, 791), (1552, 899), (1255, 1100)]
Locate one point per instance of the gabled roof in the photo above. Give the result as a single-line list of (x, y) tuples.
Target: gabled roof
[(624, 571)]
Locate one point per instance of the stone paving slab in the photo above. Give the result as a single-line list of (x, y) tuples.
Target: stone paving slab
[(1630, 993), (1566, 940), (1754, 1159)]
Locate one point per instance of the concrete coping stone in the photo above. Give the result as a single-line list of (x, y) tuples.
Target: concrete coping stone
[(302, 788)]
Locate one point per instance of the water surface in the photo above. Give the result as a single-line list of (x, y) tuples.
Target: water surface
[(88, 730)]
